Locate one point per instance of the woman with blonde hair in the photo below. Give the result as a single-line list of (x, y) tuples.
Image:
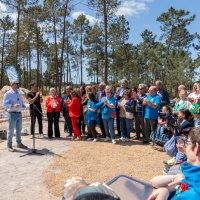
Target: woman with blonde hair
[(53, 104)]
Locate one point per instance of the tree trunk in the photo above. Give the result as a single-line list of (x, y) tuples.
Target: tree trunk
[(2, 60), (56, 50), (81, 51), (17, 37), (63, 45), (106, 42)]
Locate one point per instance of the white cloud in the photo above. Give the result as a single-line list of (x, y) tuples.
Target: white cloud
[(133, 7), (4, 12), (2, 8), (91, 19)]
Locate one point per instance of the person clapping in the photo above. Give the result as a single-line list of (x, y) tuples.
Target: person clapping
[(53, 104)]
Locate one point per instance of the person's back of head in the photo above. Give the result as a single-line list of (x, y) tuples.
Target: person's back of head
[(96, 196)]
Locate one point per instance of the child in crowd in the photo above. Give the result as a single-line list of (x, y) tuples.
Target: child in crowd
[(183, 116), (163, 120)]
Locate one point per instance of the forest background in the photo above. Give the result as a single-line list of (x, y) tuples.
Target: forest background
[(45, 44)]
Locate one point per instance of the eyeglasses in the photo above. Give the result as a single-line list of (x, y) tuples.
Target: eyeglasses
[(187, 142)]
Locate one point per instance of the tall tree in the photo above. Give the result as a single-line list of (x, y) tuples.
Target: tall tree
[(6, 24), (106, 9), (177, 40), (80, 28), (94, 51)]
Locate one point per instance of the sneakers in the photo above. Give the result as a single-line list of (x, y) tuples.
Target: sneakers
[(95, 140), (122, 139), (41, 136), (113, 141), (127, 140), (89, 139), (21, 146), (10, 149), (106, 139), (77, 138)]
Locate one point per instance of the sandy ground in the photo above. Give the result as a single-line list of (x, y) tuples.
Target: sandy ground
[(37, 177), (102, 161), (21, 177)]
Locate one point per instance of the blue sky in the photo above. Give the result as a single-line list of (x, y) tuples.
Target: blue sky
[(142, 14)]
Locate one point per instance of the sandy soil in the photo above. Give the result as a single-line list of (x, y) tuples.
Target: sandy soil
[(102, 161)]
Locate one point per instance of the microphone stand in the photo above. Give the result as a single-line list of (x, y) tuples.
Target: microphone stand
[(34, 151)]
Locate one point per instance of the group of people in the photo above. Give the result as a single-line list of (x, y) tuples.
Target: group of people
[(86, 106), (148, 107)]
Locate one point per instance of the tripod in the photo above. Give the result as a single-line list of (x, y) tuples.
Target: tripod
[(34, 151)]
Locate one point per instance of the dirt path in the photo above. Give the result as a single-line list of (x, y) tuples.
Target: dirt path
[(21, 177)]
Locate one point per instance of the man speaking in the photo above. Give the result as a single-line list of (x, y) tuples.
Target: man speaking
[(35, 99)]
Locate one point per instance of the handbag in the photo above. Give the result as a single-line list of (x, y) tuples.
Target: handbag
[(113, 115), (170, 146), (129, 115)]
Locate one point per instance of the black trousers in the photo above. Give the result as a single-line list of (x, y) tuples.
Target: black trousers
[(92, 129), (68, 123), (81, 124), (53, 118), (35, 114)]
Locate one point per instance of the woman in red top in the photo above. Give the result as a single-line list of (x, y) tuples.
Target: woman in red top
[(74, 112), (53, 113)]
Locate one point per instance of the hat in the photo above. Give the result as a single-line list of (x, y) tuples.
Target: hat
[(195, 109)]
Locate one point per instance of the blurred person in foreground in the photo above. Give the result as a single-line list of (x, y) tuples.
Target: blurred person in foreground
[(12, 101), (187, 186)]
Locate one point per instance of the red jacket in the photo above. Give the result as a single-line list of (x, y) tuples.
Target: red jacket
[(49, 105), (74, 107)]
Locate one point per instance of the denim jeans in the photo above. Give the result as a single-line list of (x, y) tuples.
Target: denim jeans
[(126, 125), (15, 121), (159, 132), (123, 127), (109, 127), (129, 127)]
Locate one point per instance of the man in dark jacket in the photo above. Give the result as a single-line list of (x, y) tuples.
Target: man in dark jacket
[(64, 109), (163, 93)]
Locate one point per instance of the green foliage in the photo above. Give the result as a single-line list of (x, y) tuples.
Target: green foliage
[(47, 47)]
